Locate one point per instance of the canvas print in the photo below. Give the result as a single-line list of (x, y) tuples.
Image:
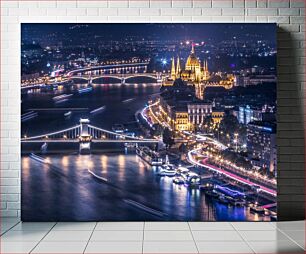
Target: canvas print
[(148, 122)]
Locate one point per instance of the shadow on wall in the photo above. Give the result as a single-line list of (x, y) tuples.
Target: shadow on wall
[(290, 128)]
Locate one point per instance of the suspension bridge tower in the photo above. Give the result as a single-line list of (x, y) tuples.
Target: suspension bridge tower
[(85, 137)]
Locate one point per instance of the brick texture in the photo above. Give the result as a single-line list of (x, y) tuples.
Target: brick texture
[(289, 14)]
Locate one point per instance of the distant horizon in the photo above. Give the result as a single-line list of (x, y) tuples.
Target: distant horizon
[(229, 46), (166, 31)]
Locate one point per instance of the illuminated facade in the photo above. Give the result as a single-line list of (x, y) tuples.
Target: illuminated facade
[(197, 111), (193, 71), (181, 120), (197, 75), (174, 103), (217, 116), (247, 114), (261, 143), (175, 117)]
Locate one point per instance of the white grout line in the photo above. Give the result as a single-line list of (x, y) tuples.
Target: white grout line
[(193, 238), (273, 224), (42, 238), (14, 225), (231, 223), (90, 237), (143, 232), (244, 240), (290, 238)]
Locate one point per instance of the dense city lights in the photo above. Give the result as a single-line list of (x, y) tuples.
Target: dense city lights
[(149, 121)]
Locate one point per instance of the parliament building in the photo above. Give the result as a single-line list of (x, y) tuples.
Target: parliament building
[(197, 75)]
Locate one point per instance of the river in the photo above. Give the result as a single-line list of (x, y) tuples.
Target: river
[(110, 185)]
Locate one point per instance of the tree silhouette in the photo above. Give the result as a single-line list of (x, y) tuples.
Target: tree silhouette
[(168, 138)]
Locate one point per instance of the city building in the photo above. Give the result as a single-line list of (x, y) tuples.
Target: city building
[(254, 79), (175, 114), (193, 71), (217, 116), (261, 144), (197, 75), (247, 114), (180, 119), (197, 111), (173, 104), (181, 109)]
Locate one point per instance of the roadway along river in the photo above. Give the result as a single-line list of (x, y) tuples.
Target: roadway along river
[(63, 188)]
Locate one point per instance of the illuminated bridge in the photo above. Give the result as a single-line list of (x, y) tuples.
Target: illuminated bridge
[(111, 68), (85, 134), (121, 77), (121, 72)]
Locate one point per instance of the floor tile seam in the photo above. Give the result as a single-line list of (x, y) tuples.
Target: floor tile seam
[(31, 251), (221, 241), (193, 238), (139, 240), (79, 230), (231, 223), (273, 225), (10, 228), (291, 239), (142, 243), (120, 230), (93, 230), (244, 240), (256, 229)]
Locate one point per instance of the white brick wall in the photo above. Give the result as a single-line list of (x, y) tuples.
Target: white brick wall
[(290, 14)]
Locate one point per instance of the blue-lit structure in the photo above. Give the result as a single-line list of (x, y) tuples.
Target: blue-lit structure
[(229, 192)]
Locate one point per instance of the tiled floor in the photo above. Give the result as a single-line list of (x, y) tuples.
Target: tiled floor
[(152, 237)]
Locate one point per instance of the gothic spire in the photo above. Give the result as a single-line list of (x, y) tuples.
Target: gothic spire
[(192, 48), (173, 74), (178, 67)]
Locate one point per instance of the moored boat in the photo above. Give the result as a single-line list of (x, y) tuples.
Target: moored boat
[(212, 194), (149, 156), (223, 200), (166, 170), (257, 209), (192, 178), (206, 187), (236, 202), (178, 180)]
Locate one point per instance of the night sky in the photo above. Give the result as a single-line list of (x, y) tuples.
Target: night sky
[(160, 31)]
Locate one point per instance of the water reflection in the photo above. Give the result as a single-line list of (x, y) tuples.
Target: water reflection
[(128, 178), (63, 189), (121, 167), (104, 163), (142, 168), (65, 161)]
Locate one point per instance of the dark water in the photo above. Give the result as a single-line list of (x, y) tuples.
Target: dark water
[(115, 98), (62, 188)]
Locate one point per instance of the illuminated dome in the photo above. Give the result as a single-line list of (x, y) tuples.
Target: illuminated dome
[(192, 61)]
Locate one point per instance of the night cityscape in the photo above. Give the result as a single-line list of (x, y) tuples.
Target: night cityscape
[(148, 122)]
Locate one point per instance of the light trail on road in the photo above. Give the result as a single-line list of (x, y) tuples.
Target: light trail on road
[(228, 174)]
